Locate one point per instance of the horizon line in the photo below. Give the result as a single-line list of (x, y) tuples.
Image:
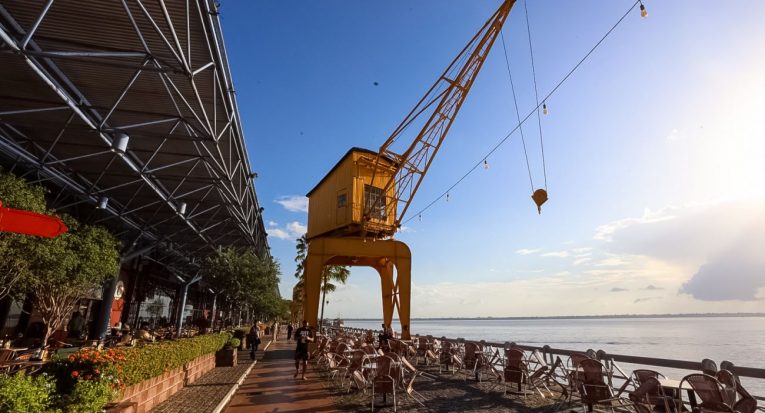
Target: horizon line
[(568, 317)]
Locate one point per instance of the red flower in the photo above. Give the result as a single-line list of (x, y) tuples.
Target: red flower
[(71, 358), (75, 373)]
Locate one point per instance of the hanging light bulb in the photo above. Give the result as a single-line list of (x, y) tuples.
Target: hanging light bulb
[(485, 164), (643, 11), (544, 108), (420, 217), (447, 197)]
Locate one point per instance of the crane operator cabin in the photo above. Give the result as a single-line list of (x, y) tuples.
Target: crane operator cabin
[(352, 188)]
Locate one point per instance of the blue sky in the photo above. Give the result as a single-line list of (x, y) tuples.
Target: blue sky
[(653, 147)]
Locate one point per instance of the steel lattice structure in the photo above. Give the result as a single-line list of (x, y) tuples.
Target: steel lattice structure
[(130, 106)]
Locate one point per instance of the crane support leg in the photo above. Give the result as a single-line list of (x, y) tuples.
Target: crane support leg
[(388, 293), (404, 287), (312, 289), (383, 255)]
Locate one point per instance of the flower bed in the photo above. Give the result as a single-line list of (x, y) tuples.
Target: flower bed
[(86, 381)]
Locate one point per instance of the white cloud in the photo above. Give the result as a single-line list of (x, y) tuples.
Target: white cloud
[(605, 232), (297, 228), (290, 232), (278, 233), (612, 262), (526, 251), (735, 274), (293, 203), (562, 273), (563, 293), (675, 135), (557, 254), (580, 261), (714, 247)]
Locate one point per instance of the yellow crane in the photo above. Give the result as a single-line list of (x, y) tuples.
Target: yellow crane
[(355, 210)]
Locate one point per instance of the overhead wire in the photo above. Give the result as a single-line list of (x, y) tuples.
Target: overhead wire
[(536, 90), (517, 111), (525, 118)]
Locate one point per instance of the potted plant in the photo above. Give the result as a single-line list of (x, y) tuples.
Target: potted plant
[(241, 334), (226, 357)]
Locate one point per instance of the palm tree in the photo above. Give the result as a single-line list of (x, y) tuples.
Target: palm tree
[(302, 252), (331, 275)]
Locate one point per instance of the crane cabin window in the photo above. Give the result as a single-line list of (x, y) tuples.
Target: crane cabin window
[(374, 202)]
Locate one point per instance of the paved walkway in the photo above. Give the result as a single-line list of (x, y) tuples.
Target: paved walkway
[(208, 391), (270, 387)]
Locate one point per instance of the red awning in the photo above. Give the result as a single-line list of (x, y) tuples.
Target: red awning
[(30, 223)]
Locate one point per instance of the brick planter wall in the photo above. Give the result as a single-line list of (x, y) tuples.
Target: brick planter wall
[(142, 397), (199, 366)]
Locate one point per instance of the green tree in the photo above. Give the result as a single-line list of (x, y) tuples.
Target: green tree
[(302, 252), (246, 280), (68, 268), (16, 249), (266, 298)]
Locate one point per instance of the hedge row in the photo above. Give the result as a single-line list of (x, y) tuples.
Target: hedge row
[(143, 363), (84, 382)]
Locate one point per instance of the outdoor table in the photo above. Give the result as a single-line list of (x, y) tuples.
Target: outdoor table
[(674, 385)]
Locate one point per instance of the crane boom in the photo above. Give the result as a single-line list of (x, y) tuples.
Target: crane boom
[(433, 115)]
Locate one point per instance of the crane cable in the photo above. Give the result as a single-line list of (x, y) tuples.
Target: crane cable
[(517, 112), (506, 137), (536, 92)]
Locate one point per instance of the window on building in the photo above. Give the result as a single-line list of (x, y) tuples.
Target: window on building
[(342, 200), (374, 202)]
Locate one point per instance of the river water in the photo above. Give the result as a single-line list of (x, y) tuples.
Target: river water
[(740, 340)]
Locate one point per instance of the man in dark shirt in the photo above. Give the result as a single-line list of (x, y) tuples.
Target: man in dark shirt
[(383, 338), (303, 336)]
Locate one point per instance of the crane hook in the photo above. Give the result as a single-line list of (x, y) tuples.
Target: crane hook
[(539, 197)]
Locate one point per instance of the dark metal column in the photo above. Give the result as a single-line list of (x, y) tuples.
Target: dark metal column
[(105, 312), (182, 304), (107, 301)]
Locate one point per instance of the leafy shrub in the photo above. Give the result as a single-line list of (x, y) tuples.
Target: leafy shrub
[(143, 363), (20, 393), (240, 332), (234, 342), (88, 396)]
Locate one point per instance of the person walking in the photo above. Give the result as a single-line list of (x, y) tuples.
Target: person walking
[(254, 337), (303, 336), (289, 331)]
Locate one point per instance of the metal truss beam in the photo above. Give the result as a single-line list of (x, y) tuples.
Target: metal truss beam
[(230, 172)]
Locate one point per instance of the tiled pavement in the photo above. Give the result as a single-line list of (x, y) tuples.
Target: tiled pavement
[(270, 386), (204, 395)]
